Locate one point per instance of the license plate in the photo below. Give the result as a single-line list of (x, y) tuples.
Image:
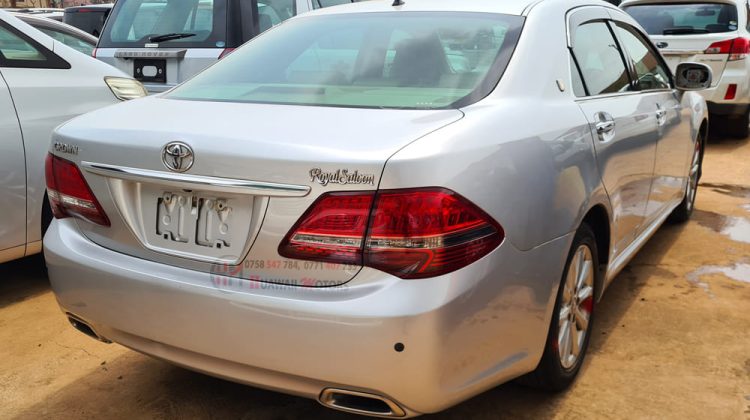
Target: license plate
[(195, 220), (150, 70)]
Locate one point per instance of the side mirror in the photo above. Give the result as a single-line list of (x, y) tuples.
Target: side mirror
[(693, 76)]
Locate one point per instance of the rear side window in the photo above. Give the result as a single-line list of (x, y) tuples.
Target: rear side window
[(169, 23), (599, 59), (19, 51), (685, 18), (88, 20), (652, 74)]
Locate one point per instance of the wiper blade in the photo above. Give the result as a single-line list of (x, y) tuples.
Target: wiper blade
[(169, 37), (683, 31)]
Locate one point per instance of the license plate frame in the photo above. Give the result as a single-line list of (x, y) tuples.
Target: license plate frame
[(161, 70)]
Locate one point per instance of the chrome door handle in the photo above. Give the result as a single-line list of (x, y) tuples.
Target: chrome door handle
[(605, 127), (661, 115)]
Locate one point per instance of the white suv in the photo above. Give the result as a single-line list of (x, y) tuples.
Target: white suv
[(712, 32)]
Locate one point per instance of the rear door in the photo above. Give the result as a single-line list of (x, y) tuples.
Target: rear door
[(12, 159), (691, 32), (623, 121), (674, 134)]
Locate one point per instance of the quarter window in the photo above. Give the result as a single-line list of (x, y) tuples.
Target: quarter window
[(14, 48), (649, 69), (18, 50), (600, 59)]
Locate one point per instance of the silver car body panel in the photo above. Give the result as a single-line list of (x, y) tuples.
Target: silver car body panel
[(528, 155)]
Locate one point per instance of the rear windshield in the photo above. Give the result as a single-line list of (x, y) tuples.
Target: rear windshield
[(194, 24), (685, 18), (375, 60)]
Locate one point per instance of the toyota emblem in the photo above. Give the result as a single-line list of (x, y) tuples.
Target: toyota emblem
[(177, 156)]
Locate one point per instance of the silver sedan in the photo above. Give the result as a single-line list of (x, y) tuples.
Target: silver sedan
[(389, 207)]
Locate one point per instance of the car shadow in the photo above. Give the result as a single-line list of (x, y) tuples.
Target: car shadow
[(22, 279)]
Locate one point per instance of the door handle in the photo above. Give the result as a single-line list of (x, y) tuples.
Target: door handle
[(605, 127), (661, 115)]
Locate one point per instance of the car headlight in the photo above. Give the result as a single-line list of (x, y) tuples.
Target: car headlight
[(124, 88)]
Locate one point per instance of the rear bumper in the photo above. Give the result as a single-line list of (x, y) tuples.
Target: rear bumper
[(735, 73), (727, 109), (463, 333)]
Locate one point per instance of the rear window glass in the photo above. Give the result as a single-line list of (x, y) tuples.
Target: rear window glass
[(169, 23), (685, 19), (414, 60), (88, 20)]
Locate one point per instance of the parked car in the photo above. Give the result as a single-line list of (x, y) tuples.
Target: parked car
[(68, 35), (44, 83), (165, 42), (89, 18), (364, 207), (54, 14), (711, 32)]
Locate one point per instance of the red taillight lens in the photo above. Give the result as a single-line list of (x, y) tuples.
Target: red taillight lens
[(332, 230), (69, 194), (426, 233), (226, 52), (411, 234), (737, 48)]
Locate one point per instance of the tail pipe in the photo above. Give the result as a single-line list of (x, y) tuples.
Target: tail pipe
[(85, 328), (360, 403)]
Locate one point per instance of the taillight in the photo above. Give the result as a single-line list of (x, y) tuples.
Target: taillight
[(69, 194), (226, 52), (332, 230), (411, 234), (737, 48)]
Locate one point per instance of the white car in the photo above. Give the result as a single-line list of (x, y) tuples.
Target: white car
[(712, 32), (163, 52), (43, 83)]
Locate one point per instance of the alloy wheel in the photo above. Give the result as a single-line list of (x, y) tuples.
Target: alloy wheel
[(576, 307)]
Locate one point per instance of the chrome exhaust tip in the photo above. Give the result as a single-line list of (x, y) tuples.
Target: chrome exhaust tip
[(85, 328), (360, 403)]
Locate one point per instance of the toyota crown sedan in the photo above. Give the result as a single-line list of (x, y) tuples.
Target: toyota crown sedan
[(386, 207)]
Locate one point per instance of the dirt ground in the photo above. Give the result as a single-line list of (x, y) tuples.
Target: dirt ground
[(672, 339)]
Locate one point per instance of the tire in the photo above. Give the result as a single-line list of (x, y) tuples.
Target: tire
[(682, 212), (557, 370), (738, 127)]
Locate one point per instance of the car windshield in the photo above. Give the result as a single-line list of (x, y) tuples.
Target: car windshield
[(178, 23), (380, 60), (685, 18)]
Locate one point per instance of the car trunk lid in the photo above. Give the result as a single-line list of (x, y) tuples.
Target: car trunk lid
[(255, 170)]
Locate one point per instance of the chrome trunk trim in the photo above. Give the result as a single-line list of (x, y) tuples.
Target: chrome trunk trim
[(184, 181)]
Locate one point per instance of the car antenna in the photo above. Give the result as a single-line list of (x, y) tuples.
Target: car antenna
[(398, 3)]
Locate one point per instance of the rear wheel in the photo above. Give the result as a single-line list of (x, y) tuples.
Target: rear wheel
[(683, 212), (572, 319)]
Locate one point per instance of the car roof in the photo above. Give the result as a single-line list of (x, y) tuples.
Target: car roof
[(510, 7), (28, 18), (632, 2)]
